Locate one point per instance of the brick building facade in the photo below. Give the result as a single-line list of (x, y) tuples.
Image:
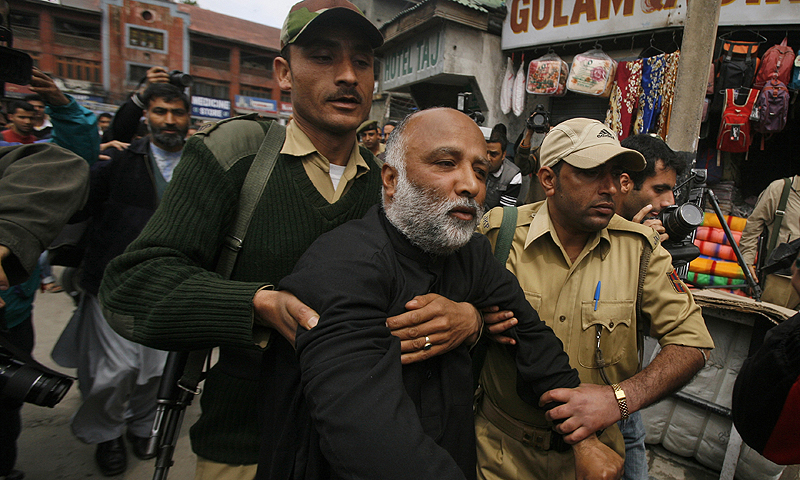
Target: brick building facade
[(99, 50)]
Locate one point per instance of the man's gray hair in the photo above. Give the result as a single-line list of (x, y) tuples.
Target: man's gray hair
[(396, 146)]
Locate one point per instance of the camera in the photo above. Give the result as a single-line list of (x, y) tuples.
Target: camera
[(539, 120), (25, 380), (464, 99), (180, 79), (15, 66), (681, 220)]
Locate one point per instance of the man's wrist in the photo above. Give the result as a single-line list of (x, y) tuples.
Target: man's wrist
[(622, 400)]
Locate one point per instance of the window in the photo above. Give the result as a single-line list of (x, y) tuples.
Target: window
[(147, 38), (136, 73), (210, 52), (213, 90), (24, 20), (77, 29), (255, 61), (258, 92), (286, 97), (78, 69)]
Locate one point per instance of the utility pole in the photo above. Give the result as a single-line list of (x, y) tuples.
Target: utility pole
[(697, 51)]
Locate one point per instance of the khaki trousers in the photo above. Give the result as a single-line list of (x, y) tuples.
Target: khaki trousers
[(208, 470), (501, 457)]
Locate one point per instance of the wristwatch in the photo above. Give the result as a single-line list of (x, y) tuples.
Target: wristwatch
[(621, 400)]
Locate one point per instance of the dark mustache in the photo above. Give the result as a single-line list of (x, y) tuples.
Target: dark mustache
[(346, 92)]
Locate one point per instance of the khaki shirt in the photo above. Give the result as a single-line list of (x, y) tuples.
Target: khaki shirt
[(563, 294), (764, 215), (318, 167)]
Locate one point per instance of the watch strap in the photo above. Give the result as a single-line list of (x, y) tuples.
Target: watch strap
[(622, 401)]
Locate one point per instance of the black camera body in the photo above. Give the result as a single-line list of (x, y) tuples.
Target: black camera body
[(23, 379), (180, 79), (15, 66), (539, 120), (681, 222)]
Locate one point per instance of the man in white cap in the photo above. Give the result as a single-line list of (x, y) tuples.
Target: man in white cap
[(599, 282)]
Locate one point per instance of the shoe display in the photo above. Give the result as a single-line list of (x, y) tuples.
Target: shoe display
[(111, 457), (139, 446)]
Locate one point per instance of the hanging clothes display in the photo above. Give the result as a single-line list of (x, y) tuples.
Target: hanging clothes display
[(650, 99), (624, 100), (668, 84)]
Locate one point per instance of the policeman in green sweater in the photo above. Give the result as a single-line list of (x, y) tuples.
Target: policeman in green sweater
[(163, 293)]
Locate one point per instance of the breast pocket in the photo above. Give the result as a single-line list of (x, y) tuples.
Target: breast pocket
[(616, 336)]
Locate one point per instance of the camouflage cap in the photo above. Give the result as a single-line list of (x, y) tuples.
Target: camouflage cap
[(308, 13)]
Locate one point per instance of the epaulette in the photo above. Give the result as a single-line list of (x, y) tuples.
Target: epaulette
[(234, 138), (620, 224), (494, 217)]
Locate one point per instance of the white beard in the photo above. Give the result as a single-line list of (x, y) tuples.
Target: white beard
[(423, 217)]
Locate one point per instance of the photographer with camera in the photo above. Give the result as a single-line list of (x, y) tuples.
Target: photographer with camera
[(119, 379), (645, 194), (126, 121), (41, 186)]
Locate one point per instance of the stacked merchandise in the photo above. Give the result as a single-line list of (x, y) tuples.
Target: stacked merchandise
[(716, 265)]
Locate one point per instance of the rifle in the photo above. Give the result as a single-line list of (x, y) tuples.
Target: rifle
[(178, 387)]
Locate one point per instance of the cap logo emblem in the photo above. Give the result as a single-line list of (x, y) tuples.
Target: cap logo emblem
[(605, 133)]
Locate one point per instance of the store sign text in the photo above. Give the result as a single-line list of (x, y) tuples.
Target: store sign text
[(542, 13), (414, 61)]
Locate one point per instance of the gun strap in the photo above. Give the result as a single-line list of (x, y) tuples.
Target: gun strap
[(253, 187), (779, 213), (505, 236)]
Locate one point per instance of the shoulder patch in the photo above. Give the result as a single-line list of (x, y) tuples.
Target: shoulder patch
[(676, 282), (232, 139), (494, 218)]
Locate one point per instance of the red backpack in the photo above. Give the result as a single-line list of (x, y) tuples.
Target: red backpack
[(778, 61), (734, 131)]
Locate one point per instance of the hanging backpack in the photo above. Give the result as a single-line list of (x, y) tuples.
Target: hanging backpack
[(737, 65), (777, 60), (795, 83), (734, 132), (772, 108)]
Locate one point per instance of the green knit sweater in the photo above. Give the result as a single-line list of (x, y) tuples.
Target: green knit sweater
[(163, 292)]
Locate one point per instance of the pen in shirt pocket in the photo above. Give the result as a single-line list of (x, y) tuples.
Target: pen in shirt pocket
[(596, 295)]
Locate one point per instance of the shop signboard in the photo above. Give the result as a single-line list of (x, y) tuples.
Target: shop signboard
[(257, 105), (759, 12), (417, 59), (207, 107), (542, 22), (286, 108), (530, 23)]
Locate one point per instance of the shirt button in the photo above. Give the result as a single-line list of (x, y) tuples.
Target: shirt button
[(611, 325), (562, 318)]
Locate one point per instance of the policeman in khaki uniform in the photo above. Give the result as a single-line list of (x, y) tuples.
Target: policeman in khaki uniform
[(580, 267)]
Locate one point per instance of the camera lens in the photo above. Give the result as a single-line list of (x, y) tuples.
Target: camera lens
[(21, 382), (180, 79), (680, 221)]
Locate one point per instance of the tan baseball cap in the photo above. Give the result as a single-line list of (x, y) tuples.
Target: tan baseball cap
[(586, 143), (305, 15)]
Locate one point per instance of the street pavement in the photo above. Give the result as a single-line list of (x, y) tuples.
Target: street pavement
[(47, 448)]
